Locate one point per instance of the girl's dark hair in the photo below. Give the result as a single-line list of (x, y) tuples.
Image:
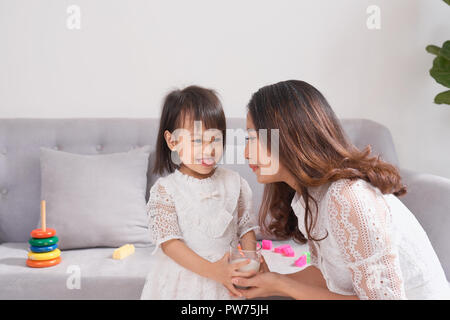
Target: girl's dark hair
[(315, 150), (197, 103)]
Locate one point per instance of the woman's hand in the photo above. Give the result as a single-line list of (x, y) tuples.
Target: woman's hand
[(263, 267), (264, 284), (223, 272)]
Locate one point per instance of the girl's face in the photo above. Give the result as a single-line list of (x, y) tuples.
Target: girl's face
[(266, 167), (198, 149)]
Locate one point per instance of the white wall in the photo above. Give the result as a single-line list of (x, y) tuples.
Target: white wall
[(129, 53)]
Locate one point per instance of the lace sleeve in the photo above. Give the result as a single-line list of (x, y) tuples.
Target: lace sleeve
[(162, 217), (360, 223), (246, 220)]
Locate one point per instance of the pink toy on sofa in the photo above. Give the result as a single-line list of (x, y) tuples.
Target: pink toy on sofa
[(267, 244), (304, 259), (301, 262), (288, 252), (280, 248)]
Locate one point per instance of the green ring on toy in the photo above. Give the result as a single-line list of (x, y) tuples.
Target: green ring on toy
[(43, 242), (44, 255), (43, 263)]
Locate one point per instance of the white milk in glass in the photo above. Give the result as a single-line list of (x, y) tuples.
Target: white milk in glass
[(253, 265)]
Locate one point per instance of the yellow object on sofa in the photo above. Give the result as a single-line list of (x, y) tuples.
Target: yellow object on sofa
[(123, 252)]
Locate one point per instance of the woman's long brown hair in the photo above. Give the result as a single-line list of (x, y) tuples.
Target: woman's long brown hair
[(315, 150)]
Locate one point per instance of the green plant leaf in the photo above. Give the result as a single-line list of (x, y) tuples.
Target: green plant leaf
[(433, 49), (443, 98), (441, 71), (445, 50), (447, 2)]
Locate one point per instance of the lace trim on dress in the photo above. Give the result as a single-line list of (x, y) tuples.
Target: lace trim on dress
[(361, 226)]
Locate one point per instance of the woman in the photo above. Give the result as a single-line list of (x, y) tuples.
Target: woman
[(364, 243)]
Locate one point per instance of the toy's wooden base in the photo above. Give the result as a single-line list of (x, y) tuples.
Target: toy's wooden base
[(43, 263)]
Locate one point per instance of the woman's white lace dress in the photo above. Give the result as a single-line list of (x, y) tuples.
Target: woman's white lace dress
[(207, 214), (375, 249)]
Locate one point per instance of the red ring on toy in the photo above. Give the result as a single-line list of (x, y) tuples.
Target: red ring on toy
[(41, 234), (43, 263)]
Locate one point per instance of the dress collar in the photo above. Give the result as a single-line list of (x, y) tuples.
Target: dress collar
[(191, 179), (316, 192)]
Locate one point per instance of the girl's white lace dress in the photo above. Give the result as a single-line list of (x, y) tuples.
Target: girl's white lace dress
[(375, 249), (207, 214)]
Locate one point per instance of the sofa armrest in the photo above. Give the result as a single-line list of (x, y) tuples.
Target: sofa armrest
[(428, 198)]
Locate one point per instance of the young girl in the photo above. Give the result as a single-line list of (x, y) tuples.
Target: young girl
[(198, 209)]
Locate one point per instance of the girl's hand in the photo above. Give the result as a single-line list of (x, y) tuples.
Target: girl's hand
[(263, 267), (264, 284), (223, 271)]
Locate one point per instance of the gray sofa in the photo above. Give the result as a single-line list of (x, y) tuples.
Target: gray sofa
[(105, 278)]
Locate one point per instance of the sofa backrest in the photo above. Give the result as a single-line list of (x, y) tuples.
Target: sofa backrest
[(20, 140)]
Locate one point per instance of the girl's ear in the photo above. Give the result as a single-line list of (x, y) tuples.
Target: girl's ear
[(168, 138)]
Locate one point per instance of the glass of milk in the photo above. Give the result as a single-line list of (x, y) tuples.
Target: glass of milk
[(248, 249)]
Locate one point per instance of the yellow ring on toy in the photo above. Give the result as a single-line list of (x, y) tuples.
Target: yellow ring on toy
[(45, 255)]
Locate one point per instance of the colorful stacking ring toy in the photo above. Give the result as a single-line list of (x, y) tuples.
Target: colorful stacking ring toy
[(44, 250)]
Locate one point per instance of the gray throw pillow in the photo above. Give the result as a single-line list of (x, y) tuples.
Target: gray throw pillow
[(96, 200)]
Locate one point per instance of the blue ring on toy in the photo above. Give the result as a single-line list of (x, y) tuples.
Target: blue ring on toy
[(44, 249)]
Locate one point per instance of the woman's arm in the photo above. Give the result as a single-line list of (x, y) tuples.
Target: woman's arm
[(310, 276), (360, 221), (274, 284), (306, 291)]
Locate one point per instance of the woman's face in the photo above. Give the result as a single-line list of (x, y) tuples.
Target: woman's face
[(266, 166)]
